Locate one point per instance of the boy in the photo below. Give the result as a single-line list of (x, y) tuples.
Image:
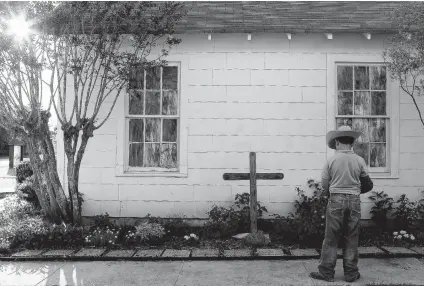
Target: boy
[(342, 176)]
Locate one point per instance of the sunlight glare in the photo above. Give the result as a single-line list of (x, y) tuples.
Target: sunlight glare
[(18, 27)]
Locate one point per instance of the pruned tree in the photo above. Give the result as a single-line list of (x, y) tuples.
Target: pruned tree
[(405, 52), (78, 55)]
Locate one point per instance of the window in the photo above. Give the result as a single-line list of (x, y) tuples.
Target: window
[(152, 119), (362, 105)]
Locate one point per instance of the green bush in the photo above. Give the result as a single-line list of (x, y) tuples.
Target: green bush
[(149, 232), (20, 222), (102, 237), (23, 171), (308, 221), (26, 190), (383, 205), (225, 222), (102, 221), (406, 212)]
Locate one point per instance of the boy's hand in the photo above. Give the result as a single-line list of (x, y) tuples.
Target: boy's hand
[(366, 184)]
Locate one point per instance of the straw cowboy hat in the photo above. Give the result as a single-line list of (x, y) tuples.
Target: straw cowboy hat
[(343, 131)]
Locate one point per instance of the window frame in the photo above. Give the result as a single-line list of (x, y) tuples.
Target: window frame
[(122, 167), (392, 109)]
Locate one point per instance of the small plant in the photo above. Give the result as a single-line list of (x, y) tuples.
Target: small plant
[(383, 205), (191, 240), (225, 222), (102, 221), (130, 238), (406, 212), (149, 232), (23, 171), (402, 238), (309, 218), (102, 237)]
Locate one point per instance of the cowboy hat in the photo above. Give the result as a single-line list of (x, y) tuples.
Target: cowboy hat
[(343, 131)]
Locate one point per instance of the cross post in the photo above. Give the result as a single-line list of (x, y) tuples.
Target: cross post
[(253, 176)]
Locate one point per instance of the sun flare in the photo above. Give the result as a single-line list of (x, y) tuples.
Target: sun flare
[(18, 27)]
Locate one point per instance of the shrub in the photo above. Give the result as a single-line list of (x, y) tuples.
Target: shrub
[(308, 221), (383, 205), (23, 171), (60, 236), (102, 221), (102, 237), (26, 190), (225, 222), (406, 212), (148, 232)]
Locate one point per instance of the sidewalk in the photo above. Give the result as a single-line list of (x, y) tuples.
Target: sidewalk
[(398, 271), (7, 182)]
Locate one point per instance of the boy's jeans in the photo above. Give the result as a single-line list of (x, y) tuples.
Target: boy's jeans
[(342, 218)]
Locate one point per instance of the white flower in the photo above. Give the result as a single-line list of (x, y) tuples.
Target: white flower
[(395, 233), (322, 216), (186, 237), (406, 235), (402, 232), (110, 241), (412, 237), (315, 212), (193, 235), (399, 236)]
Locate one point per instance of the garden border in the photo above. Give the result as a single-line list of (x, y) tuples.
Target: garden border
[(385, 253)]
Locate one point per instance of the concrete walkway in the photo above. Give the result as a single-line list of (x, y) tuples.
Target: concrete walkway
[(7, 181), (404, 271)]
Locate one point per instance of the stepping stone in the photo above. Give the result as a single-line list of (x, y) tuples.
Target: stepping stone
[(237, 253), (269, 252), (176, 253), (149, 253), (205, 253), (398, 250), (59, 252), (90, 252), (419, 250), (370, 251), (120, 253), (304, 252), (28, 253)]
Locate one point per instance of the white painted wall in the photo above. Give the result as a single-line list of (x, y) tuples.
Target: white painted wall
[(267, 95)]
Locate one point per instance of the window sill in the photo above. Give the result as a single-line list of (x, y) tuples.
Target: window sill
[(153, 174), (383, 176)]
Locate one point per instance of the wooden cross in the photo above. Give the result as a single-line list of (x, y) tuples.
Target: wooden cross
[(253, 176)]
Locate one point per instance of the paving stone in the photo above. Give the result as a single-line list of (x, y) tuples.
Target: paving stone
[(120, 253), (149, 253), (28, 253), (176, 253), (237, 253), (59, 252), (267, 252), (417, 249), (370, 250), (304, 252), (205, 253), (398, 250), (90, 252)]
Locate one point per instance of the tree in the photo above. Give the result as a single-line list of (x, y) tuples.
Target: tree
[(78, 54), (405, 53)]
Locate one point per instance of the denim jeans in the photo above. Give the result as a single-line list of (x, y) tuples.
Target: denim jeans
[(342, 219)]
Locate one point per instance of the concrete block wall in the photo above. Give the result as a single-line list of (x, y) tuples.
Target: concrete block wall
[(267, 95)]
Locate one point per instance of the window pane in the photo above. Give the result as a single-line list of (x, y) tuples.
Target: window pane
[(153, 78), (361, 125), (362, 78), (344, 121), (136, 102), (136, 80), (378, 78), (378, 155), (170, 102), (168, 155), (169, 130), (344, 103), (362, 103), (378, 103), (170, 77), (152, 102), (136, 155), (344, 78), (361, 149), (378, 130), (136, 128), (152, 155), (152, 129)]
